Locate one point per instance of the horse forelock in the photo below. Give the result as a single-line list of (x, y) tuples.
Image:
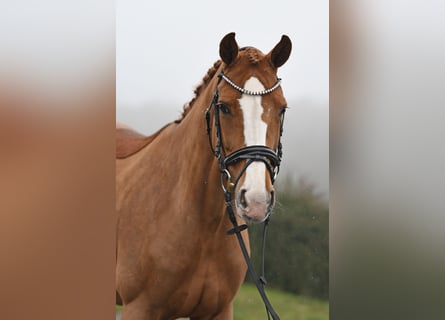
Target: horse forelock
[(253, 55)]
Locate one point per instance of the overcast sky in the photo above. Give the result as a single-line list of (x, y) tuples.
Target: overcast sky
[(164, 48)]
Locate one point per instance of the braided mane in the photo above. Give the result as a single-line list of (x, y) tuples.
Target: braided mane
[(205, 81), (253, 55)]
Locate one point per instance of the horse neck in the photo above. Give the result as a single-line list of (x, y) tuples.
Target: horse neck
[(197, 159)]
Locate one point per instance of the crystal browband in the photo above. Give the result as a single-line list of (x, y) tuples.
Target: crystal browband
[(248, 92)]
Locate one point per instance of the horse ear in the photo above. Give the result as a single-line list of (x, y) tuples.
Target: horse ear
[(228, 48), (279, 55)]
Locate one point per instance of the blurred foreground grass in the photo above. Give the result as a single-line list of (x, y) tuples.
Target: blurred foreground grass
[(249, 306)]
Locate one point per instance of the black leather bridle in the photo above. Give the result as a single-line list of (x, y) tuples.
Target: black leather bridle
[(250, 154), (265, 154)]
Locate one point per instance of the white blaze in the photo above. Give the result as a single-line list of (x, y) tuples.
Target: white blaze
[(255, 130)]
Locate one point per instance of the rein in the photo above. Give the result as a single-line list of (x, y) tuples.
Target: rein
[(250, 154)]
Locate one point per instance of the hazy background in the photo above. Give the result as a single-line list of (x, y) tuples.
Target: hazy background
[(386, 117), (164, 48)]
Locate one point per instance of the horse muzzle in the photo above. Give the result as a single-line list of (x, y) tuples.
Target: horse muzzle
[(254, 206)]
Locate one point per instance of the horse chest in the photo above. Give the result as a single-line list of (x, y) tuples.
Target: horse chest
[(212, 284)]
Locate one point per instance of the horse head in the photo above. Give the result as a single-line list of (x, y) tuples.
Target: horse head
[(249, 110)]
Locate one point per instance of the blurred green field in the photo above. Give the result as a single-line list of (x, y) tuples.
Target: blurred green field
[(249, 306)]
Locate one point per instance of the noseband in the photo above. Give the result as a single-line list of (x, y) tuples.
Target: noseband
[(250, 154)]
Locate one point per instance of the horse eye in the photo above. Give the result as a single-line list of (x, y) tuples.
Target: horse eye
[(224, 108)]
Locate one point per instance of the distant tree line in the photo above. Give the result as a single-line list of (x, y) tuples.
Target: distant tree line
[(297, 249)]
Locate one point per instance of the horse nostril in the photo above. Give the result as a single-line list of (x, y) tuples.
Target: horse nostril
[(242, 199)]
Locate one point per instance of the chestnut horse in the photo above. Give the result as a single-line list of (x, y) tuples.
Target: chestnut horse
[(174, 257)]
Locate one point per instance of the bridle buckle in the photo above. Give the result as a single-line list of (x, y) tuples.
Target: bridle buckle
[(228, 185)]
